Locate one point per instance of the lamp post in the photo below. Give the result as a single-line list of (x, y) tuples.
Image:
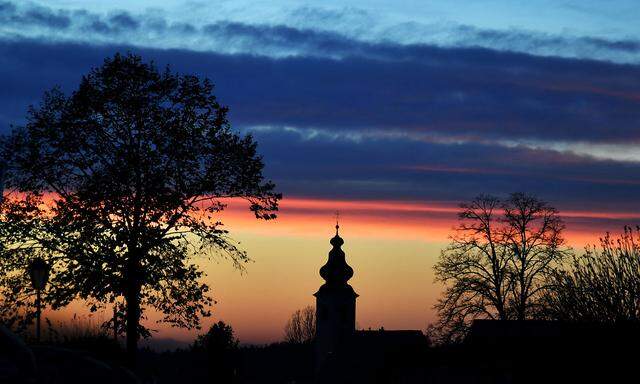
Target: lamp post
[(39, 273)]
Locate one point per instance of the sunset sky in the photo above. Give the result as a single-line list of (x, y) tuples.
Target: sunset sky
[(390, 112)]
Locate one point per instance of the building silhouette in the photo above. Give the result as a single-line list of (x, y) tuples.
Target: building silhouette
[(344, 354), (335, 304), (502, 352)]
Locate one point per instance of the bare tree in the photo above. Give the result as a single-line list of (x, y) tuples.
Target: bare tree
[(533, 236), (602, 285), (301, 327), (474, 269), (496, 263)]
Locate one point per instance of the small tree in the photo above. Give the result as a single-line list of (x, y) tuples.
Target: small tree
[(497, 263), (301, 327), (603, 285), (220, 346), (220, 337), (121, 183)]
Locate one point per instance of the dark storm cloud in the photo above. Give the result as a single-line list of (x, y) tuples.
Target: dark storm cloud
[(460, 94), (368, 128)]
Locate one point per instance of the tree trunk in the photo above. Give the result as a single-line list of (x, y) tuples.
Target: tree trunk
[(115, 322), (522, 305), (133, 307)]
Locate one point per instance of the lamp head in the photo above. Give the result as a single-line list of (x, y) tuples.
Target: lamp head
[(39, 273)]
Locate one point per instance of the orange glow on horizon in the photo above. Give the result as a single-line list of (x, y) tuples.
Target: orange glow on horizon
[(392, 246), (433, 221)]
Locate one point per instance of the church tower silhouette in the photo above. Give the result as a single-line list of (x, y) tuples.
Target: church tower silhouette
[(335, 304)]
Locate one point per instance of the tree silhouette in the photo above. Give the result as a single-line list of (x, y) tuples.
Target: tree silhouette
[(602, 285), (474, 268), (18, 220), (301, 327), (533, 235), (121, 183), (220, 346), (497, 262)]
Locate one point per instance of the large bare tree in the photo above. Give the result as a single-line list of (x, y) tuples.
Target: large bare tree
[(497, 262), (532, 234)]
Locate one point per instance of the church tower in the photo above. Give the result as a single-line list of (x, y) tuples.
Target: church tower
[(335, 303)]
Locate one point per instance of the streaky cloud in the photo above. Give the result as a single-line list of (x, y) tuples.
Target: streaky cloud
[(354, 128), (450, 95), (310, 32)]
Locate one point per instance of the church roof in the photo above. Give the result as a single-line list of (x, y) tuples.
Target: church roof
[(336, 272)]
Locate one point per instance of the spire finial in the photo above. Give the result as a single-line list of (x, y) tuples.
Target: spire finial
[(337, 222)]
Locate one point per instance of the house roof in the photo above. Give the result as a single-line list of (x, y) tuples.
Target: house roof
[(398, 338)]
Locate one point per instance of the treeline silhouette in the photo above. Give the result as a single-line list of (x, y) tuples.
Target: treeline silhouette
[(507, 260), (601, 285), (81, 351)]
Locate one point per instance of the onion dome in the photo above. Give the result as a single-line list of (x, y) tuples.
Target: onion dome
[(336, 272)]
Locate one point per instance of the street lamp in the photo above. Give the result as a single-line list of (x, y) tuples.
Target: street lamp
[(39, 273)]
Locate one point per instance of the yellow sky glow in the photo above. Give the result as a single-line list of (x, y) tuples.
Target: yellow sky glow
[(392, 247)]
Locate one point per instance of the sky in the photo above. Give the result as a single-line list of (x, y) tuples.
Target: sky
[(390, 112)]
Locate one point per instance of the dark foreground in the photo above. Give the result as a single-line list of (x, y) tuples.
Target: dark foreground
[(495, 352)]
